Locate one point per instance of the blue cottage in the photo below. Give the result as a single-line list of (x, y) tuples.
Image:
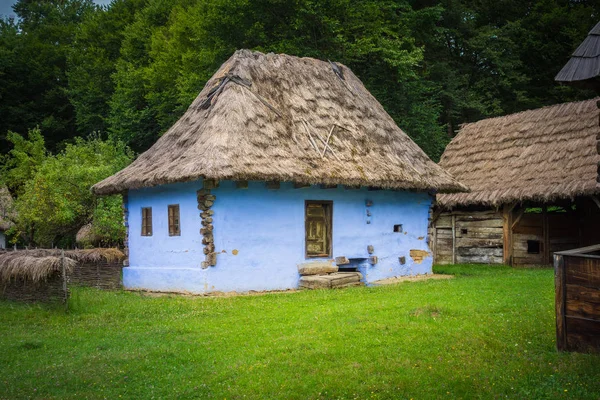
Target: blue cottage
[(280, 161)]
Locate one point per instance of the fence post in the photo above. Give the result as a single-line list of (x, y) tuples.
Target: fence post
[(64, 275)]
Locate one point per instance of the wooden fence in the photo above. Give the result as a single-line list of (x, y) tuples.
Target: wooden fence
[(577, 284)]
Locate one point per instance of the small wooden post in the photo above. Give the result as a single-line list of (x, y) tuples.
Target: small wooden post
[(507, 219), (559, 286), (546, 235), (64, 276), (453, 239)]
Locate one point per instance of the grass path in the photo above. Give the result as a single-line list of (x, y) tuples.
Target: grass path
[(488, 333)]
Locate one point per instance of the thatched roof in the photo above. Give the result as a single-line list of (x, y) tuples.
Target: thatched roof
[(584, 65), (540, 155), (252, 122), (6, 209), (40, 264), (86, 234)]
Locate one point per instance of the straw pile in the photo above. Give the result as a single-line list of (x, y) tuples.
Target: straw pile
[(539, 155), (274, 117)]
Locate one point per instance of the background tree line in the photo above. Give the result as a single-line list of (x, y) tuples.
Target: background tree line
[(125, 73)]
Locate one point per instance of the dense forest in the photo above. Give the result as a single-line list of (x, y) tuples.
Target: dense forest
[(84, 87)]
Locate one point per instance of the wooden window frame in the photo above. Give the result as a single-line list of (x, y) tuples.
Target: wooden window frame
[(328, 223), (146, 221), (174, 226)]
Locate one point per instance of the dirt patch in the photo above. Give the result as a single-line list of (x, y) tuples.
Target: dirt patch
[(416, 278), (149, 293)]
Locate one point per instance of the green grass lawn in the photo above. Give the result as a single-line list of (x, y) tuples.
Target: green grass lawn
[(487, 333)]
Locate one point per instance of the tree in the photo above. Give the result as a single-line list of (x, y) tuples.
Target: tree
[(56, 201), (33, 65)]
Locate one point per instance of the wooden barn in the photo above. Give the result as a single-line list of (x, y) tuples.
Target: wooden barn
[(534, 181), (279, 162)]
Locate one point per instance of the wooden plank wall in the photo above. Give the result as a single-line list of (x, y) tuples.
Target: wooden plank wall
[(577, 281), (469, 237), (555, 231), (529, 227)]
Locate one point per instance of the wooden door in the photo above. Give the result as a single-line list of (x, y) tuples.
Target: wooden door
[(318, 229)]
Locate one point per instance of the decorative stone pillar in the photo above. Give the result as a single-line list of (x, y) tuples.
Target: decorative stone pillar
[(205, 201), (125, 207)]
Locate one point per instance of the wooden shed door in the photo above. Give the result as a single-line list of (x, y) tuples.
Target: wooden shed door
[(318, 228)]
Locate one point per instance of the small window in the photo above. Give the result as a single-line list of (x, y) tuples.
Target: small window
[(533, 247), (464, 231), (318, 228), (147, 221), (398, 228), (174, 229)]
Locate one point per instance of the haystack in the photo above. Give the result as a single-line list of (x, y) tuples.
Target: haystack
[(274, 117), (539, 155)]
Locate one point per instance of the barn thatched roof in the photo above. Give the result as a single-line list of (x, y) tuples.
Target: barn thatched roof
[(6, 209), (540, 155), (584, 65), (267, 117)]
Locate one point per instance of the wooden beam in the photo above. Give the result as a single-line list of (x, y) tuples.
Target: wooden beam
[(453, 239), (435, 215), (507, 233), (559, 302), (595, 199), (545, 236), (518, 218)]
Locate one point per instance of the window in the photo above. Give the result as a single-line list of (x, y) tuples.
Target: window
[(174, 220), (533, 247), (147, 221), (318, 228), (398, 228)]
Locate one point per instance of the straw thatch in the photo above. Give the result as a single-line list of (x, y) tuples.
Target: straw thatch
[(15, 266), (85, 235), (6, 209), (584, 65), (268, 117), (40, 264), (539, 155)]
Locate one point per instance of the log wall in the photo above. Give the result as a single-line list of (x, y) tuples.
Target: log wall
[(577, 284), (468, 238)]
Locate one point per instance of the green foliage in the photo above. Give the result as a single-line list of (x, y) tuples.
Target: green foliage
[(55, 198), (487, 333), (21, 163)]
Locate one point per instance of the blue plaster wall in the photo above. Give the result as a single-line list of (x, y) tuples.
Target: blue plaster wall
[(266, 228)]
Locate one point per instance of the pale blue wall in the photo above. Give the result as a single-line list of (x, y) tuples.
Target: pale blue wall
[(266, 227), (2, 240)]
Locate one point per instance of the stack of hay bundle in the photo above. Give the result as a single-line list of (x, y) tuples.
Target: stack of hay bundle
[(326, 275)]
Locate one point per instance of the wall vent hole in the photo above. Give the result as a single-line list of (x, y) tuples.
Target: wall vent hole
[(398, 228), (533, 247), (464, 231)]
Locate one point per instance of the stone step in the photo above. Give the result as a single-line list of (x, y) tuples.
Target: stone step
[(331, 281), (317, 268)]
